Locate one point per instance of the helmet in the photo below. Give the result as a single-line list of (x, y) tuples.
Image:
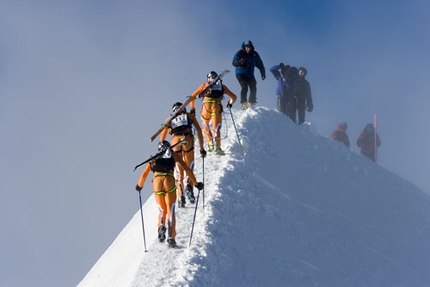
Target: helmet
[(343, 126), (176, 106), (211, 75), (248, 43), (163, 145)]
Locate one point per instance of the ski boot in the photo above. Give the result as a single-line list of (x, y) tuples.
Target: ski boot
[(161, 233), (182, 201), (211, 146), (171, 243), (190, 193), (244, 105), (219, 151)]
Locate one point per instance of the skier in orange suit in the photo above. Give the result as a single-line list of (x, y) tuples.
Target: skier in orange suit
[(164, 187), (212, 110), (180, 128)]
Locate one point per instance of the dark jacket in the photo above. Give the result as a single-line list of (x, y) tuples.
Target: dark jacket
[(367, 142), (303, 92), (245, 63)]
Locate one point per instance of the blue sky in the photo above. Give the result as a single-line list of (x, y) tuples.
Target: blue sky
[(84, 85)]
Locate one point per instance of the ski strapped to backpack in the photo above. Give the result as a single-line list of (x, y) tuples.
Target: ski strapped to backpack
[(179, 110), (182, 142)]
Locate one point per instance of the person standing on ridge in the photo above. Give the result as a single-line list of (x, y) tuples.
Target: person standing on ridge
[(245, 60), (286, 84), (303, 97), (340, 134), (212, 110), (180, 128), (164, 187), (368, 141)]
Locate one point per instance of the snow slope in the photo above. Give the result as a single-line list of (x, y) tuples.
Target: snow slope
[(290, 209)]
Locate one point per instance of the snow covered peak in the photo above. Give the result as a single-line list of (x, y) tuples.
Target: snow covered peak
[(290, 209)]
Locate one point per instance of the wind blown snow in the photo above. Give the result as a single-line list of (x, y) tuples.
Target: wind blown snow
[(292, 208)]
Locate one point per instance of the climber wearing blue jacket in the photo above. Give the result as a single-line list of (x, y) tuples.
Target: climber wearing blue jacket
[(285, 86), (245, 60)]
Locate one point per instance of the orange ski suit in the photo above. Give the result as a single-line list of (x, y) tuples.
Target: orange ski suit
[(164, 187), (212, 109), (181, 130)]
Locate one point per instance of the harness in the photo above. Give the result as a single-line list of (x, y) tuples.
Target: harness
[(184, 135), (168, 191), (212, 113)]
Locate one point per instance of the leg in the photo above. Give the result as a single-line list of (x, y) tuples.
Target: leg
[(216, 128), (244, 88), (170, 200), (253, 91), (301, 109), (292, 108), (282, 105), (188, 152), (205, 116)]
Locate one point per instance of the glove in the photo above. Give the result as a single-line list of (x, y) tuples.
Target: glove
[(281, 66), (310, 107), (200, 185), (242, 62), (193, 112), (229, 105), (263, 76), (138, 188), (203, 152)]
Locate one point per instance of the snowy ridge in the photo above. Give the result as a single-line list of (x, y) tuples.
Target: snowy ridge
[(291, 209)]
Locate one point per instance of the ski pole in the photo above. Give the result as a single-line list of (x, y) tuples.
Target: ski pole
[(203, 172), (194, 218), (143, 226), (374, 123), (232, 119)]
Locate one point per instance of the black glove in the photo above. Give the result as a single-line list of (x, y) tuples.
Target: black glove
[(228, 105), (310, 107), (200, 185), (203, 152), (281, 66), (263, 76), (193, 111), (138, 188)]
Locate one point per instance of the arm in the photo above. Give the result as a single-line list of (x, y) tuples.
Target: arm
[(308, 93), (143, 176), (275, 71), (238, 60), (260, 66), (230, 94), (333, 135), (164, 133), (196, 93)]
